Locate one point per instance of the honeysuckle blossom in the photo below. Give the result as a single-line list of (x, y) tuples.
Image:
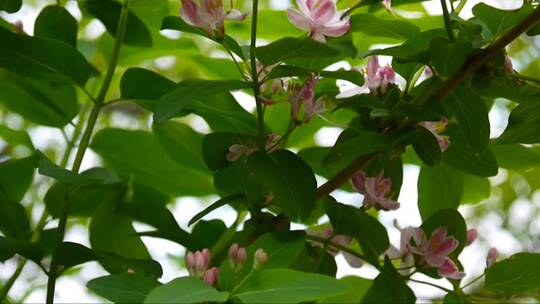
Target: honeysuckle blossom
[(237, 151), (211, 276), (237, 257), (436, 128), (328, 233), (375, 189), (197, 262), (492, 256), (209, 15), (436, 250), (320, 18), (377, 78), (305, 95), (387, 4), (472, 234)]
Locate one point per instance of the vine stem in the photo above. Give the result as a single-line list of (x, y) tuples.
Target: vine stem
[(473, 281), (460, 6), (430, 284), (43, 218), (447, 21), (255, 76), (85, 141)]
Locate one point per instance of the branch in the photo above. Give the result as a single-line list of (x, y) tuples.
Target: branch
[(447, 21), (478, 61), (255, 77), (344, 175)]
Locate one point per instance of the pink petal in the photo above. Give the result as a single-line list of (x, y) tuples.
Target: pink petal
[(372, 69), (439, 234), (352, 260), (189, 13), (472, 234), (388, 204), (304, 6), (235, 14), (324, 13), (299, 20), (492, 256), (434, 260), (446, 247), (317, 35), (337, 30), (449, 270)]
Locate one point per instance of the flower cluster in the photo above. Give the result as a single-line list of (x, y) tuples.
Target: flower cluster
[(209, 16), (375, 189), (437, 128), (305, 95), (320, 18), (197, 264)]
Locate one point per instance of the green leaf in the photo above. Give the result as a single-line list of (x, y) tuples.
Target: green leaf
[(215, 147), (10, 6), (13, 219), (176, 23), (186, 92), (42, 102), (112, 232), (16, 176), (439, 187), (153, 214), (498, 21), (357, 289), (72, 254), (347, 147), (216, 205), (289, 71), (516, 157), (11, 246), (123, 287), (389, 287), (285, 285), (447, 57), (283, 249), (186, 290), (472, 116), (461, 155), (475, 189), (351, 221), (287, 49), (518, 274), (108, 12), (427, 147), (523, 125), (290, 179), (139, 83), (42, 58), (373, 26), (125, 151), (16, 138), (55, 22)]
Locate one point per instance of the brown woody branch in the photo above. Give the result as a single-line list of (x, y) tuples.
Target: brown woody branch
[(473, 64)]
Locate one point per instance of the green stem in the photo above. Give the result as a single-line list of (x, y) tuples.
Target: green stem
[(473, 281), (527, 78), (85, 141), (326, 241), (430, 284), (460, 6), (226, 237), (447, 21), (235, 62), (255, 77), (43, 218)]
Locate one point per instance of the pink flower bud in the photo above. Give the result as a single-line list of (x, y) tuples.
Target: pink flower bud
[(260, 258), (305, 95), (472, 234), (197, 262), (237, 257), (320, 18), (449, 270), (19, 27), (211, 276), (492, 256)]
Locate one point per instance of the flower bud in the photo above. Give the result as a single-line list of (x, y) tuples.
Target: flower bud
[(197, 262), (211, 276), (472, 234), (260, 258), (237, 257), (492, 256)]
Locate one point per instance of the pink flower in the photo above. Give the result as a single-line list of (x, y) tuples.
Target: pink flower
[(209, 16), (436, 250), (436, 128), (472, 234), (492, 256), (375, 189), (376, 78), (319, 18), (237, 257), (306, 95), (405, 253), (237, 151), (197, 262), (211, 276)]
